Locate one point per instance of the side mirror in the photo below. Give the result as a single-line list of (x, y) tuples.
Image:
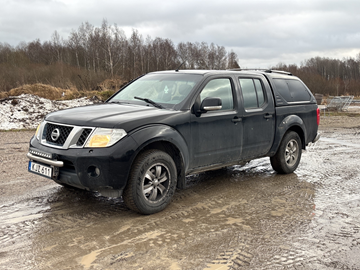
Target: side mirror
[(211, 104)]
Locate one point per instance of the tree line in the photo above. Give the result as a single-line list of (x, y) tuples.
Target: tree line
[(328, 76), (91, 55)]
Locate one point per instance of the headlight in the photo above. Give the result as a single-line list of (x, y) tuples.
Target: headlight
[(105, 137), (38, 131)]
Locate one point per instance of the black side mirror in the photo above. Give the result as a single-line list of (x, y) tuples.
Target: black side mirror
[(211, 104)]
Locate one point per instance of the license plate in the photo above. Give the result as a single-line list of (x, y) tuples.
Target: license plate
[(40, 169)]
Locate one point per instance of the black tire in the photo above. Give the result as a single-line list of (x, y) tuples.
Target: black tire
[(152, 182), (288, 155)]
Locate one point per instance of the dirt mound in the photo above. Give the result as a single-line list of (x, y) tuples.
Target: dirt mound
[(26, 111), (103, 91), (43, 90)]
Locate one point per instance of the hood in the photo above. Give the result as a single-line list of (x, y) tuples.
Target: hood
[(111, 115)]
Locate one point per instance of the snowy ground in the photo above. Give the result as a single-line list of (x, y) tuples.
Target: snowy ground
[(27, 111)]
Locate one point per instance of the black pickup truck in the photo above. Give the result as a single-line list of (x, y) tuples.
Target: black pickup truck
[(144, 140)]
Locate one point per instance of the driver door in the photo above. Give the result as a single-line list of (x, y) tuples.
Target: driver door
[(216, 135)]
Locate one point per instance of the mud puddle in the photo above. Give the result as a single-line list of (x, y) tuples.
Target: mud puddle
[(237, 218)]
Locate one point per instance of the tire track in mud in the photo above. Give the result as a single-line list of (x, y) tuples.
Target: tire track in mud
[(62, 218), (164, 236), (302, 258), (233, 258), (19, 220), (218, 206), (215, 207), (334, 162)]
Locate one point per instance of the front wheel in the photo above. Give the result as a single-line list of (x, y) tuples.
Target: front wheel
[(152, 182), (288, 155)]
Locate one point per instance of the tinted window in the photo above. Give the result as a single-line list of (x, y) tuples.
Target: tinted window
[(292, 90), (283, 89), (298, 91), (252, 92), (219, 88)]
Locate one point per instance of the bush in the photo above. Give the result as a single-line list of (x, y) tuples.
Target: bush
[(104, 95)]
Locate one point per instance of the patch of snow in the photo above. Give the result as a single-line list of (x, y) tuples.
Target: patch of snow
[(27, 111)]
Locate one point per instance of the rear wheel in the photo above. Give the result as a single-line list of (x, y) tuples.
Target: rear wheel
[(152, 182), (287, 157)]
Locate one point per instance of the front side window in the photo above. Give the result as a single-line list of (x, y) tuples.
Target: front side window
[(219, 88), (252, 92)]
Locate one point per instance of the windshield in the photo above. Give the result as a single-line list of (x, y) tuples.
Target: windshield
[(166, 89)]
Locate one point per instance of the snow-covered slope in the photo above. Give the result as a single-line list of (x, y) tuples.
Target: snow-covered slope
[(27, 111)]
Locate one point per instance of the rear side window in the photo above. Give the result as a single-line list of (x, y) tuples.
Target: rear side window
[(292, 90), (252, 92)]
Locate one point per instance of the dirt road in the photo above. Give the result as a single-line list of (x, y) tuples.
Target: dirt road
[(239, 218)]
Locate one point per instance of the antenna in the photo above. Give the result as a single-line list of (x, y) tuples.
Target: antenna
[(177, 70)]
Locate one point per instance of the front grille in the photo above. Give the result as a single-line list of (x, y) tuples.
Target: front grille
[(51, 131), (84, 135)]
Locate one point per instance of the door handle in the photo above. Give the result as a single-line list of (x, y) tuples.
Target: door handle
[(236, 119), (268, 116)]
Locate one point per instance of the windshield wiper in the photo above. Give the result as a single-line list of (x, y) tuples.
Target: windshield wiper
[(157, 105)]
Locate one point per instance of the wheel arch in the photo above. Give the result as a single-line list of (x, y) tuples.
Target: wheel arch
[(168, 140), (289, 123)]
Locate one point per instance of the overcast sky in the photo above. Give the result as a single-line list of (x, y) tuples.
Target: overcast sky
[(262, 32)]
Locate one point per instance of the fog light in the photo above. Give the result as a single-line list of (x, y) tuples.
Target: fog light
[(93, 171)]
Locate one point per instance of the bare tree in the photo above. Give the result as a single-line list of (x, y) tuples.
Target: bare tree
[(91, 54)]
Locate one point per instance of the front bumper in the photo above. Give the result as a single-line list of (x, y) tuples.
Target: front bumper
[(105, 170)]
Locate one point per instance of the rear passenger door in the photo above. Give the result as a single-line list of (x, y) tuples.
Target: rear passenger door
[(258, 116)]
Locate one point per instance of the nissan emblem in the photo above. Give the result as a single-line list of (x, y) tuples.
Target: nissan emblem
[(55, 134)]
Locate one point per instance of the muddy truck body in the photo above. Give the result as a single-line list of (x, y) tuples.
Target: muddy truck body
[(145, 139)]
